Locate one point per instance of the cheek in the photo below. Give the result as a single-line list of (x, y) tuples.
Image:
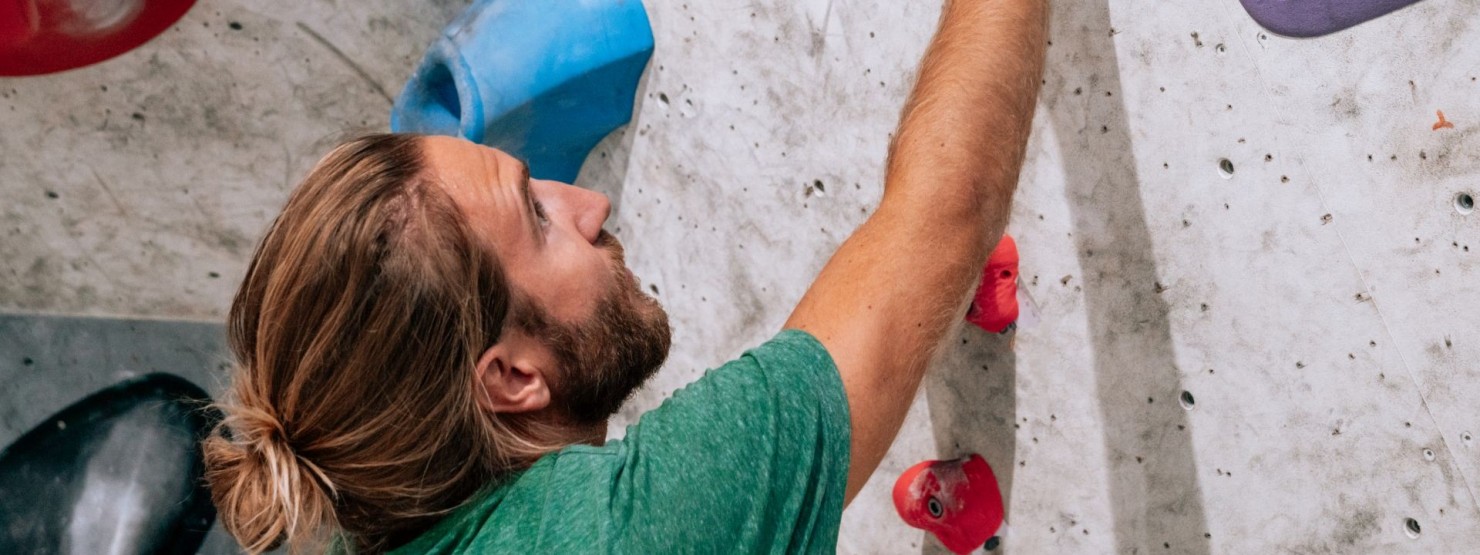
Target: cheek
[(591, 272), (563, 276)]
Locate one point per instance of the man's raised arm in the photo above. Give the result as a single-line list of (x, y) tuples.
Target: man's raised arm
[(900, 283)]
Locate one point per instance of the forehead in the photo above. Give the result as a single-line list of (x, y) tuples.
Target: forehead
[(462, 164), (485, 184)]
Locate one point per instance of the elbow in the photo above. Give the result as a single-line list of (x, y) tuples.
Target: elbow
[(973, 212)]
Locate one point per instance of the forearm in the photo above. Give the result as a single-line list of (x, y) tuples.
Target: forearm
[(962, 135)]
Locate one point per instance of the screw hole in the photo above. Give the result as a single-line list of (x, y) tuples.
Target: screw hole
[(1187, 401), (1464, 203), (1411, 527), (1225, 168)]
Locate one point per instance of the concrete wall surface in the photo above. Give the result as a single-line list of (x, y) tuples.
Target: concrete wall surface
[(1318, 304)]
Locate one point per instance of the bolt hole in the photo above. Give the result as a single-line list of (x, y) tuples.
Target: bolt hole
[(1187, 401), (1464, 203), (1225, 168), (1411, 527), (1006, 274)]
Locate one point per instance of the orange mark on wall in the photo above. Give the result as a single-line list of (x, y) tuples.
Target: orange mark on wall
[(1443, 123)]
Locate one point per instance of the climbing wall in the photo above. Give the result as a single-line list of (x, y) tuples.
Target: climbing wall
[(1250, 253)]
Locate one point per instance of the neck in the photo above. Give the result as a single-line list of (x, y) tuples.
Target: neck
[(594, 434)]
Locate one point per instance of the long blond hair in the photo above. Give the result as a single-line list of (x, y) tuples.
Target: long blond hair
[(352, 407)]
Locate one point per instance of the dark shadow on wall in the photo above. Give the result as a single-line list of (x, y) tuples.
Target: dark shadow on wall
[(972, 397), (1154, 493)]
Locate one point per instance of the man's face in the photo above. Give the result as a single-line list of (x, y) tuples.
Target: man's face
[(606, 335)]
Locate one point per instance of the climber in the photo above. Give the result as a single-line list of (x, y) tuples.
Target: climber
[(429, 344)]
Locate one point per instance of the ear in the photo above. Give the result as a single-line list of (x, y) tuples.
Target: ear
[(512, 374)]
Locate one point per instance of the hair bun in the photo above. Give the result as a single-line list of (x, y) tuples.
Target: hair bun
[(266, 493)]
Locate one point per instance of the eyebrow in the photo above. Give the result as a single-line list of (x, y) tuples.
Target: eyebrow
[(529, 213)]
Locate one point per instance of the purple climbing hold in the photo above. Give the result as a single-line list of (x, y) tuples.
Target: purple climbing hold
[(1313, 18)]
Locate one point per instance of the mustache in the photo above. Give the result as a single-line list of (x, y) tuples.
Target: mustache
[(614, 247)]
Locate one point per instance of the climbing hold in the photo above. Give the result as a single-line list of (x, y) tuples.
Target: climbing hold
[(1442, 123), (46, 37), (543, 81), (957, 500), (1313, 18), (994, 308)]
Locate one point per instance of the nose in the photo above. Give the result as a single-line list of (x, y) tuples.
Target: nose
[(590, 210)]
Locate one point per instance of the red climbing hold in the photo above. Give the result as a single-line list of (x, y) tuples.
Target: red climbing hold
[(1443, 123), (995, 306), (47, 36), (956, 500)]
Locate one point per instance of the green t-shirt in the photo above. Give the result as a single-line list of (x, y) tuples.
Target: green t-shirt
[(751, 458)]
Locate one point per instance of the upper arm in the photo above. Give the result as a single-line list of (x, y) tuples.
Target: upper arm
[(883, 304)]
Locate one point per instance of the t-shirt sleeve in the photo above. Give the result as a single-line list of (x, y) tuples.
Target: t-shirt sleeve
[(752, 457)]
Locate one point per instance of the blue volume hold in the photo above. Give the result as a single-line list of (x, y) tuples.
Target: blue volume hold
[(544, 80)]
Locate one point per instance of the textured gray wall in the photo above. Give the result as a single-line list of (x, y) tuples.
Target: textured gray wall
[(1319, 302)]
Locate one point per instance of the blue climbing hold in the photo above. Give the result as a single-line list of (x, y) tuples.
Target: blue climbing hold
[(542, 80)]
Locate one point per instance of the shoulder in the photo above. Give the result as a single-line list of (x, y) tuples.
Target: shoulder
[(559, 499), (791, 356), (793, 345)]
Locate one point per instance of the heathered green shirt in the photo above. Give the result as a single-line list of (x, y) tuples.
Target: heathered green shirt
[(751, 458)]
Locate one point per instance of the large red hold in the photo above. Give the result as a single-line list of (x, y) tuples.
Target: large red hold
[(47, 36), (957, 500)]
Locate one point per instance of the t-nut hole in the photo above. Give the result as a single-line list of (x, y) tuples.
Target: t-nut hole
[(1428, 454), (1464, 203), (1225, 168), (1411, 528), (1187, 400)]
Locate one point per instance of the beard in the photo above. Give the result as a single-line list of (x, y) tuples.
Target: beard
[(606, 358)]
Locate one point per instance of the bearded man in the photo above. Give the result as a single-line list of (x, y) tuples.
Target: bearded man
[(429, 344)]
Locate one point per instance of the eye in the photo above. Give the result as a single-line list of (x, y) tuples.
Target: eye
[(539, 212), (934, 506)]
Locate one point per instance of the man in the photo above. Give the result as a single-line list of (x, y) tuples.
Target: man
[(430, 344)]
